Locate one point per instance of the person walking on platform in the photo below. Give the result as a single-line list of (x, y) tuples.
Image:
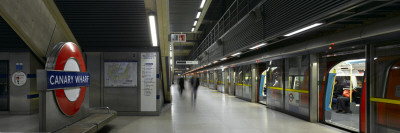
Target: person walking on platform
[(181, 85), (196, 83)]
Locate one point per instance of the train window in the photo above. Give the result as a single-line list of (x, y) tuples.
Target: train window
[(274, 83), (297, 85), (385, 88)]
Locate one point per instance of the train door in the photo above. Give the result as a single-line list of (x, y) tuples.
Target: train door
[(220, 81), (297, 71), (342, 76), (274, 84), (204, 79), (247, 82), (4, 88), (238, 82), (211, 80), (262, 91), (228, 80), (385, 89)]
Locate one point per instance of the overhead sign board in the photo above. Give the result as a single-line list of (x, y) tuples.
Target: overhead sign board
[(178, 37), (187, 62)]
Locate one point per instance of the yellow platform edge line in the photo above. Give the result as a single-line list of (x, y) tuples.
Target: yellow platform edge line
[(293, 90)]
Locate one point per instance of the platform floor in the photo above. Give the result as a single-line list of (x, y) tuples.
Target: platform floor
[(214, 112)]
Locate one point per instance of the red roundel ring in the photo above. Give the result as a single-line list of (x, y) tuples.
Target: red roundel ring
[(69, 50)]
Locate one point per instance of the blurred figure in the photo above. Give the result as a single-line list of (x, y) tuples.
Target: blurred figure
[(181, 85), (196, 83)]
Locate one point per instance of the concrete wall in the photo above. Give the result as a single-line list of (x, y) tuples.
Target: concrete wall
[(22, 98)]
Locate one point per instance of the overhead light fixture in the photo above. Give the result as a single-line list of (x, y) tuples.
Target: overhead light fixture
[(153, 30), (192, 29), (170, 61), (224, 58), (198, 14), (195, 22), (202, 3), (304, 29), (259, 45), (238, 53), (215, 61)]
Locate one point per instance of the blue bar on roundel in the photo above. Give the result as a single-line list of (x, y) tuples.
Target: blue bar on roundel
[(64, 79)]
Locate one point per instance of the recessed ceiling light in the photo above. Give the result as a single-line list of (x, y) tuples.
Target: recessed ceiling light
[(195, 23), (153, 30), (238, 53), (202, 3), (198, 14), (304, 29), (259, 45)]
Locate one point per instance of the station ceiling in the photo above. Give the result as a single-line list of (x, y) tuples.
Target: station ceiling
[(107, 23), (182, 14)]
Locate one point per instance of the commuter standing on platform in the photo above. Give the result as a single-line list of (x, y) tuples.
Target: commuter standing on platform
[(181, 85)]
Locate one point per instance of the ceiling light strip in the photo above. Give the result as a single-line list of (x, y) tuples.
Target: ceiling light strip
[(303, 29), (153, 30)]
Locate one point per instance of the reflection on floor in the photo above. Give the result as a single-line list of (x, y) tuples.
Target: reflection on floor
[(19, 123), (214, 113), (348, 119)]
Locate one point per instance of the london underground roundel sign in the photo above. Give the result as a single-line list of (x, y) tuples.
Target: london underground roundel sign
[(67, 56)]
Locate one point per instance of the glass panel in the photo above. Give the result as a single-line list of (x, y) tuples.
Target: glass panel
[(228, 79), (247, 82), (274, 83), (212, 80), (238, 82), (385, 88), (4, 92), (342, 75), (297, 85), (220, 81)]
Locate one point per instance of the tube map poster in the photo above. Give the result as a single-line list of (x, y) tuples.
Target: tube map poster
[(120, 74)]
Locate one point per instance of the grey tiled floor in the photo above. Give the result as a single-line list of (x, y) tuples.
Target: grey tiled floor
[(214, 112)]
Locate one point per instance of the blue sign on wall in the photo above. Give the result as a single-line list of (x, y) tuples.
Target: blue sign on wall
[(63, 79)]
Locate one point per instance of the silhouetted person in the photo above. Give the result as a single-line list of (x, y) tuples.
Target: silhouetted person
[(196, 83), (181, 85), (338, 89)]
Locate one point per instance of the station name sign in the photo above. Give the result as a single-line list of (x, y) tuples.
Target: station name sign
[(65, 79)]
